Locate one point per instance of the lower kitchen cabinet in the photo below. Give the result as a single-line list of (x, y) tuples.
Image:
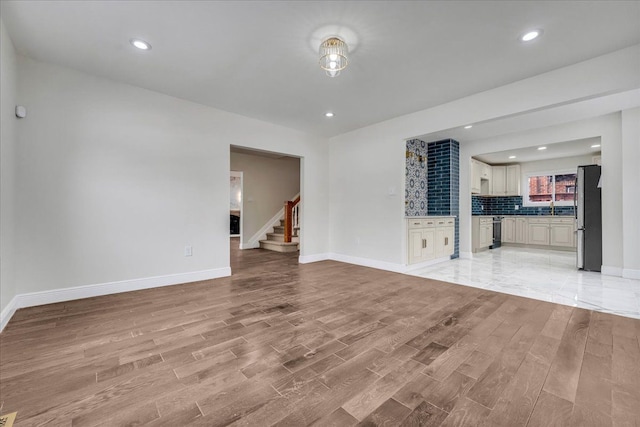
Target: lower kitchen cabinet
[(521, 231), (430, 238), (508, 230), (551, 231), (538, 231), (562, 232), (482, 232)]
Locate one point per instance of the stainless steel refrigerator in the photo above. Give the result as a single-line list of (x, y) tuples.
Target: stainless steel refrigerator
[(588, 210)]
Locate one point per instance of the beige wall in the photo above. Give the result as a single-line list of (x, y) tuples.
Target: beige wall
[(267, 183)]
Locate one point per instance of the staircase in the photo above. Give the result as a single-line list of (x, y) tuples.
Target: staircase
[(276, 240)]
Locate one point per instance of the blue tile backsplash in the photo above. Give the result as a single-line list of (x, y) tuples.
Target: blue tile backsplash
[(483, 205)]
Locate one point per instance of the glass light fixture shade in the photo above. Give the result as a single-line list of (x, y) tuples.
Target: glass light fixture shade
[(333, 56)]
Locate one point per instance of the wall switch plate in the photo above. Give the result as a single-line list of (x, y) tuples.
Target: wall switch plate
[(188, 251), (516, 207)]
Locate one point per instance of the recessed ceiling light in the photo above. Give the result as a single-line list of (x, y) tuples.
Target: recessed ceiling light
[(531, 35), (140, 44), (468, 126), (542, 148), (595, 146), (329, 114), (512, 157)]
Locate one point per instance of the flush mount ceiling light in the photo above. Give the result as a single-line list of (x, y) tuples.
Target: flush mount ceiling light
[(333, 55), (468, 126), (140, 44), (542, 148), (512, 157), (530, 35), (328, 114), (595, 146)]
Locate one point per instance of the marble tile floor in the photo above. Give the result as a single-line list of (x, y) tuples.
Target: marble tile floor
[(545, 275)]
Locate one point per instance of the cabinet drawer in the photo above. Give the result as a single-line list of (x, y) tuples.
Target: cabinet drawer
[(415, 223), (450, 221), (563, 220), (538, 220)]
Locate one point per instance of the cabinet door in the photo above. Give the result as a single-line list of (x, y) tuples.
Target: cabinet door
[(486, 235), (562, 235), (449, 236), (513, 180), (521, 230), (508, 230), (429, 251), (416, 246), (538, 234), (475, 177), (499, 180), (486, 171), (439, 242)]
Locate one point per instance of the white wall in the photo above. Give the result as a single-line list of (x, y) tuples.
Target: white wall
[(267, 183), (7, 172), (550, 165), (114, 180), (631, 192), (368, 162)]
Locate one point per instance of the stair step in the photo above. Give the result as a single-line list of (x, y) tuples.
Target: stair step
[(278, 229), (276, 237), (279, 246), (282, 223)]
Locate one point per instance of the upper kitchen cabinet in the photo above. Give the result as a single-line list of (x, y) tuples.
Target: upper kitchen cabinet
[(480, 177), (505, 180)]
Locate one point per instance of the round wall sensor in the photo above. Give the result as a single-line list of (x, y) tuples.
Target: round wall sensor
[(21, 112)]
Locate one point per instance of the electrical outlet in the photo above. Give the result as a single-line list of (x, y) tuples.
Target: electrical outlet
[(516, 207), (188, 251)]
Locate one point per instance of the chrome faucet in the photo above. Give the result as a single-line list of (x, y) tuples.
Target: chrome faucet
[(553, 210)]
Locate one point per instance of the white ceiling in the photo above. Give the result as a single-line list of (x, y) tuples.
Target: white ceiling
[(579, 147), (259, 58)]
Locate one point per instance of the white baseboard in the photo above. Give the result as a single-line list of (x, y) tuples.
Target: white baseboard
[(611, 271), (629, 273), (306, 259), (250, 245), (7, 313), (88, 291), (366, 262)]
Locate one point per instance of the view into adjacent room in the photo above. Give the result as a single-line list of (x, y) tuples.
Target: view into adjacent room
[(262, 183)]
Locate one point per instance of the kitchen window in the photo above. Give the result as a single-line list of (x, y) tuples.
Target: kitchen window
[(544, 187)]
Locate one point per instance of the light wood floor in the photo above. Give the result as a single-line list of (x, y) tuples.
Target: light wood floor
[(327, 344)]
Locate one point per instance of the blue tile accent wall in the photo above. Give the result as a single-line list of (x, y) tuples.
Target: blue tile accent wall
[(415, 193), (443, 171), (483, 205)]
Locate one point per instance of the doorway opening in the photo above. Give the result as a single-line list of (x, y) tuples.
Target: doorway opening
[(268, 181)]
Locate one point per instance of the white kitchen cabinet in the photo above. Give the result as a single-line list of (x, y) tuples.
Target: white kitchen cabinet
[(485, 171), (480, 178), (562, 232), (508, 229), (498, 180), (538, 231), (430, 238), (482, 232), (512, 180), (475, 177), (445, 229), (505, 180), (522, 228)]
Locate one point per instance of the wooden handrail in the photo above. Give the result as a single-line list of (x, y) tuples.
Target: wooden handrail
[(289, 219)]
